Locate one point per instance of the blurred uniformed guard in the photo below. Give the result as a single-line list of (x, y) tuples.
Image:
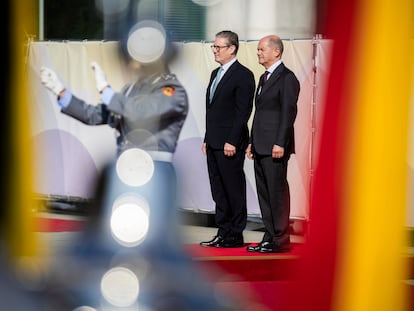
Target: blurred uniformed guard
[(148, 114)]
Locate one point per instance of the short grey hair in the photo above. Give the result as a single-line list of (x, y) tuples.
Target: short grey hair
[(276, 42), (231, 37)]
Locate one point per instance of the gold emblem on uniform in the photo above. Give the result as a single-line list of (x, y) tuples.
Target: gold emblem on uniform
[(168, 90)]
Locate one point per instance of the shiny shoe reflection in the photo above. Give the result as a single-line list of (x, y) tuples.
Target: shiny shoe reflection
[(268, 247), (215, 242)]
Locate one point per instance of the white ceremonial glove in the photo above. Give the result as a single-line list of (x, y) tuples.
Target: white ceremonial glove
[(49, 79), (100, 78)]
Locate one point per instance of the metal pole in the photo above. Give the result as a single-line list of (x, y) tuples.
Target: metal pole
[(41, 20), (315, 43)]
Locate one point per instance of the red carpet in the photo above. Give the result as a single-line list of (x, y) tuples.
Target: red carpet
[(265, 281), (264, 295), (245, 266), (45, 224)]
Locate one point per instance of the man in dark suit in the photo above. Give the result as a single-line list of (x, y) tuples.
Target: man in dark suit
[(229, 102), (272, 143)]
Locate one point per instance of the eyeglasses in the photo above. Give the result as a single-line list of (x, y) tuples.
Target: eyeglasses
[(218, 47)]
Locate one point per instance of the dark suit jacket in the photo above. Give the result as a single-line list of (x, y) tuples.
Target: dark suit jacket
[(229, 111), (275, 114)]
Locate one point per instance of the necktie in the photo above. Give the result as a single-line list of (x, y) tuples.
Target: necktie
[(215, 82), (265, 76), (263, 81)]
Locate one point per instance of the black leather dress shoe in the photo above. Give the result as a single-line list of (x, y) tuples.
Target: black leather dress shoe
[(255, 248), (214, 242), (269, 247), (231, 242)]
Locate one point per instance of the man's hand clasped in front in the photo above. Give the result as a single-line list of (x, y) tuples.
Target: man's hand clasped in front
[(229, 150)]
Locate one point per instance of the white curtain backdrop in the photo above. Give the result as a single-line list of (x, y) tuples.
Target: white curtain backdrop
[(69, 154)]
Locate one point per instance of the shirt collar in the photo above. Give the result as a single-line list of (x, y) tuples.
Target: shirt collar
[(227, 65), (274, 66)]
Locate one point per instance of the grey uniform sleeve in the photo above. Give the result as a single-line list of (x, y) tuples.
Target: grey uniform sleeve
[(86, 113)]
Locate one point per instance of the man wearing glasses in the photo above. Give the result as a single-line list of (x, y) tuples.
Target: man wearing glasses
[(229, 101)]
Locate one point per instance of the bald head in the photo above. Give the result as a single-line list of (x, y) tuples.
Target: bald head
[(273, 42), (269, 50)]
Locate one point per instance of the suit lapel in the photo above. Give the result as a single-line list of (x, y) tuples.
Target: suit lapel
[(260, 86), (209, 86), (224, 78), (272, 79)]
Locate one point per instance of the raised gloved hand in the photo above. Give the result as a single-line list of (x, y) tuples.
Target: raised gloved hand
[(100, 78), (49, 79)]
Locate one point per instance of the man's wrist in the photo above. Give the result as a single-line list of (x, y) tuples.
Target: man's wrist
[(64, 98), (104, 88), (61, 94), (106, 95)]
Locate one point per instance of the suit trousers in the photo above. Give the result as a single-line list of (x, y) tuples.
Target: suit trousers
[(274, 197), (228, 188)]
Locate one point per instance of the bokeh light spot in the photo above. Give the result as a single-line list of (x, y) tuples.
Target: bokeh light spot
[(146, 41), (120, 287), (135, 167), (130, 220)]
